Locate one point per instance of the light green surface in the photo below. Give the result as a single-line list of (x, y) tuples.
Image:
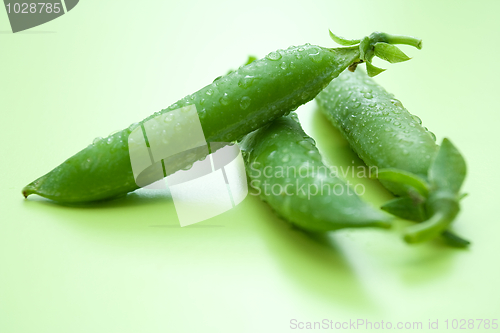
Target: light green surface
[(127, 266)]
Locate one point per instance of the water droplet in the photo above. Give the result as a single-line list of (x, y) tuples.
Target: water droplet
[(285, 158), (417, 119), (110, 140), (356, 104), (397, 123), (316, 55), (187, 167), (96, 140), (298, 56), (283, 65), (245, 102), (209, 92), (366, 90), (273, 56), (132, 126), (86, 164), (169, 116), (433, 136), (368, 95), (292, 65), (164, 136), (387, 129), (397, 102), (224, 100), (246, 81), (301, 49)]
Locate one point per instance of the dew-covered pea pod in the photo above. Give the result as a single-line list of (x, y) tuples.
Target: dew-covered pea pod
[(232, 106), (286, 170), (426, 177)]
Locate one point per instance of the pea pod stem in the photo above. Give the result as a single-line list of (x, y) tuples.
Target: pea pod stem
[(378, 44), (443, 208), (401, 39), (431, 228)]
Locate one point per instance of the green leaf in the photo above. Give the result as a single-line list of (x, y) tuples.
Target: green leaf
[(250, 60), (372, 70), (447, 171), (390, 53), (454, 240), (405, 208), (342, 41), (405, 178)]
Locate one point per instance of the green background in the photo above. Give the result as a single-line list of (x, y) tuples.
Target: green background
[(127, 266)]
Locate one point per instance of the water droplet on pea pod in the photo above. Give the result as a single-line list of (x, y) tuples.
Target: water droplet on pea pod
[(86, 164), (246, 81), (433, 136), (274, 56), (97, 140), (417, 119), (187, 167), (133, 126), (245, 102), (224, 100), (316, 55), (169, 116), (397, 102)]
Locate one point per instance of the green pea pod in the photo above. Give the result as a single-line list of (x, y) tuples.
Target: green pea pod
[(232, 106), (286, 170), (384, 134)]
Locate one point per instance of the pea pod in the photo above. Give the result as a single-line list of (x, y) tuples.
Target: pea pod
[(285, 168), (232, 106), (427, 178)]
